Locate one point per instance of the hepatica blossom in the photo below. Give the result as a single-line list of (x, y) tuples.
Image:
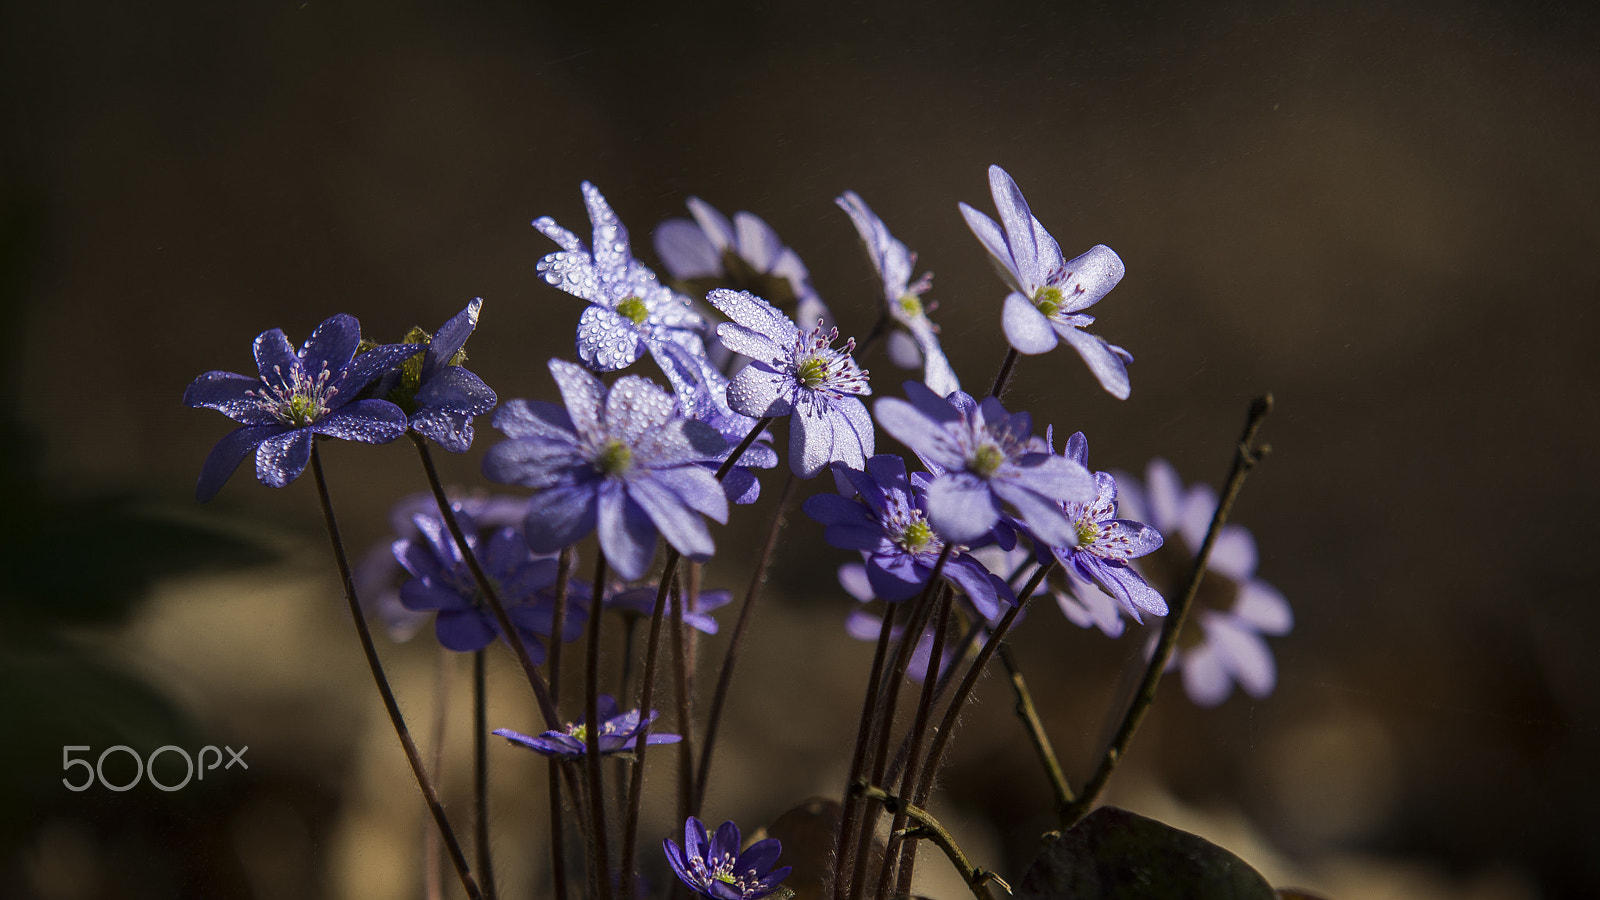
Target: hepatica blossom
[(712, 866), (1049, 293), (439, 396), (1222, 643), (906, 308), (798, 374), (630, 311), (886, 519), (619, 733), (1106, 543), (745, 254), (442, 582), (983, 456), (295, 397), (618, 459)]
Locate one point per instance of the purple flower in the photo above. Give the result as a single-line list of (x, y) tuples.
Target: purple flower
[(701, 393), (619, 459), (744, 254), (1048, 295), (442, 582), (618, 733), (864, 626), (296, 397), (1106, 543), (797, 374), (712, 866), (379, 575), (438, 395), (887, 521), (983, 456), (894, 264), (630, 310), (641, 601), (1222, 642)]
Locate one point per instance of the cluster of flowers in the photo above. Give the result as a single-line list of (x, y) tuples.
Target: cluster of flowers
[(631, 462)]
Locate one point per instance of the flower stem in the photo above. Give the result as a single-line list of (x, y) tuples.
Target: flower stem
[(541, 693), (1003, 377), (885, 713), (731, 655), (909, 781), (558, 850), (1245, 458), (630, 830), (733, 458), (947, 725), (600, 874), (480, 766), (429, 795), (976, 879), (681, 690), (849, 816), (1034, 726)]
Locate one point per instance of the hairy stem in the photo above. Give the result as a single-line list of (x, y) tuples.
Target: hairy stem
[(731, 654), (480, 770), (845, 853), (1245, 458), (927, 826), (600, 874), (429, 795)]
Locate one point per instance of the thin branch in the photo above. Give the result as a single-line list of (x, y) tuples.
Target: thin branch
[(927, 826), (735, 640), (1245, 458), (429, 795)]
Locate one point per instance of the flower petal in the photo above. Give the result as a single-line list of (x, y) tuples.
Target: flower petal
[(627, 533), (366, 421), (559, 517), (760, 391), (1027, 329), (451, 337), (228, 453), (230, 394), (281, 458), (332, 344), (1106, 361), (607, 341), (685, 250), (961, 507)]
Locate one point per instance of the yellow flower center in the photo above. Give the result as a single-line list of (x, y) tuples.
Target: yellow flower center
[(633, 309), (911, 305), (1048, 300), (614, 459), (986, 460)]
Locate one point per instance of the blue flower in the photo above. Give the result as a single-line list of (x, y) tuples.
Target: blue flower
[(378, 575), (618, 459), (894, 264), (887, 521), (1048, 295), (701, 393), (438, 395), (630, 310), (797, 374), (1222, 643), (619, 733), (712, 866), (441, 581), (296, 397), (983, 456), (641, 601), (1106, 543), (745, 254)]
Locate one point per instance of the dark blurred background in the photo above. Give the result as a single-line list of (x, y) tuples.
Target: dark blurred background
[(1386, 214)]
